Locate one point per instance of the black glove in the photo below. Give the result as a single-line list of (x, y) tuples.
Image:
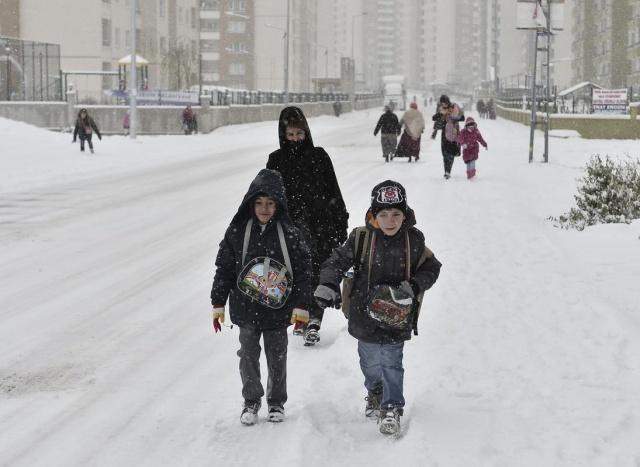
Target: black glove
[(100, 137), (326, 297)]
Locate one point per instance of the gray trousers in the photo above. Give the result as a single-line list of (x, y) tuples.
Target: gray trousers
[(389, 142), (275, 348)]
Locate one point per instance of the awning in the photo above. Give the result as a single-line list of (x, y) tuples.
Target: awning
[(127, 60)]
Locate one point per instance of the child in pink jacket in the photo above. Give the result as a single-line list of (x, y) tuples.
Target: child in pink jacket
[(468, 138)]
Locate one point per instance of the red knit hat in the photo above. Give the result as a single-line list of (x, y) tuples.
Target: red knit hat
[(469, 121), (413, 105)]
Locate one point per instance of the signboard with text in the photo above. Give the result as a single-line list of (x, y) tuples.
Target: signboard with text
[(612, 101)]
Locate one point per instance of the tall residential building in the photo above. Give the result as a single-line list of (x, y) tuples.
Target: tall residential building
[(605, 44), (227, 43), (270, 23), (382, 31), (411, 51), (96, 36)]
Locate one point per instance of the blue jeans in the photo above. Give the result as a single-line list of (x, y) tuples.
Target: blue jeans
[(381, 365)]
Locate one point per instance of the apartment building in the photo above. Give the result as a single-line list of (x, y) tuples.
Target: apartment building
[(96, 35), (606, 42), (227, 43)]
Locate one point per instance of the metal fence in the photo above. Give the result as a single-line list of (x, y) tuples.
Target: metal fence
[(29, 71), (231, 97)]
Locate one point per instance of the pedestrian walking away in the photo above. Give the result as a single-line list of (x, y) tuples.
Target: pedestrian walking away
[(446, 119), (314, 198), (263, 268), (389, 128), (392, 270), (84, 129), (470, 139), (413, 123)]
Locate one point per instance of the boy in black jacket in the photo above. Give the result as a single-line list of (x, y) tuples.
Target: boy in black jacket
[(264, 267), (392, 269)]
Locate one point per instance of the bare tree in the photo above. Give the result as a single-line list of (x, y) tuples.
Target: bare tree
[(181, 67)]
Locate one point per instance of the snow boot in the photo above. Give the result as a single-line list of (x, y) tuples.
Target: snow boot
[(447, 176), (389, 421), (299, 328), (276, 414), (249, 415), (312, 333), (372, 409)]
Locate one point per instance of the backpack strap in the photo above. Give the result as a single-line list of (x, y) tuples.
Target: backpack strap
[(361, 245), (283, 247), (247, 235), (283, 244)]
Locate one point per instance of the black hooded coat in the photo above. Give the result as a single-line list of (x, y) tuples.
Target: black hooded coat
[(313, 194), (244, 311), (388, 267)]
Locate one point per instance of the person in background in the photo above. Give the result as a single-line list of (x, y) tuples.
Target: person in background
[(389, 129), (84, 129)]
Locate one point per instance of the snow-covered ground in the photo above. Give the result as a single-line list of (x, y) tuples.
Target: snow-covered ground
[(528, 353)]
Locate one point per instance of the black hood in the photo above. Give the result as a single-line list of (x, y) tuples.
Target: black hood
[(267, 183), (285, 115)]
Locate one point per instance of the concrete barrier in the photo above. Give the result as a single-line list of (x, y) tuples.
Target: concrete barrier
[(156, 120), (590, 126)]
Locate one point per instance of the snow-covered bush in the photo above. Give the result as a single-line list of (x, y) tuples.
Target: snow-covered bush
[(609, 192)]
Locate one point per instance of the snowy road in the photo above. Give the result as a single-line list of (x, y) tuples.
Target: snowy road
[(528, 352)]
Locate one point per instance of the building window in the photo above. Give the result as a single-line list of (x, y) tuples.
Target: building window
[(106, 32), (237, 5), (194, 49), (237, 27), (210, 5), (106, 79), (236, 69), (209, 45), (194, 19), (161, 8), (163, 44), (238, 48), (209, 25), (210, 67), (127, 38), (116, 33)]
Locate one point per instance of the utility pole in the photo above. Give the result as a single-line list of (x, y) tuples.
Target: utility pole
[(533, 98), (286, 56), (133, 86), (548, 94)]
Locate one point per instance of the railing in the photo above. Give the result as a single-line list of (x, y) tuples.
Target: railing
[(230, 97)]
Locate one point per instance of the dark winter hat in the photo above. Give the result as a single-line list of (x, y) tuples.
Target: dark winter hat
[(388, 195), (469, 121), (444, 99)]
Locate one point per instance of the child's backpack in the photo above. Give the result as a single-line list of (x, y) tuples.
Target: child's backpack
[(362, 248)]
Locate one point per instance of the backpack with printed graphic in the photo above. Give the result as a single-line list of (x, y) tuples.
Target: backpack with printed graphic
[(364, 238)]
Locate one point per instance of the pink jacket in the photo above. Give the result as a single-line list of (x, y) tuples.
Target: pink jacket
[(470, 138)]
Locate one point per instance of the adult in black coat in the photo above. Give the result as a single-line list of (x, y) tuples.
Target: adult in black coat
[(447, 112), (390, 128), (85, 127), (244, 311), (313, 195)]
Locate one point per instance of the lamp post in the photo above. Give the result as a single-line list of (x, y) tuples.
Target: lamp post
[(353, 57), (133, 86), (7, 51), (286, 55)]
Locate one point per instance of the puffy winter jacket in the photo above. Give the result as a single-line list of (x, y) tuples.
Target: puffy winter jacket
[(470, 137), (243, 310), (388, 267)]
